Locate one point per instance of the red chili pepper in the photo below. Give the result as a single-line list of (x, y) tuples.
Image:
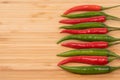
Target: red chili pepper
[(82, 20), (76, 45), (86, 31), (84, 8), (94, 60), (87, 8)]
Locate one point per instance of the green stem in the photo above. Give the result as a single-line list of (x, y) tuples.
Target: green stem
[(104, 8), (114, 68), (113, 54), (111, 59), (113, 29), (114, 43), (109, 17)]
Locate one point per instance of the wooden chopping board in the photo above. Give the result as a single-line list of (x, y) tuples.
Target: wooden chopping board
[(28, 35)]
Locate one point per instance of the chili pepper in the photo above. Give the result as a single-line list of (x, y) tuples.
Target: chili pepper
[(83, 20), (76, 45), (90, 14), (86, 70), (89, 37), (88, 25), (87, 8), (87, 31), (90, 31), (94, 60), (83, 45), (88, 52)]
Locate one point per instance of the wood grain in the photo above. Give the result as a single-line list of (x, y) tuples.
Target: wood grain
[(28, 35)]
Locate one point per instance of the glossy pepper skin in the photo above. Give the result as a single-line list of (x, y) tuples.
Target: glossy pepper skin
[(84, 45), (87, 8), (83, 20), (89, 37), (88, 52), (94, 60), (87, 31), (89, 70), (88, 25), (91, 14)]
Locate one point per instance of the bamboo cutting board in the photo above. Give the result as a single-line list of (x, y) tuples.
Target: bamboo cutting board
[(28, 35)]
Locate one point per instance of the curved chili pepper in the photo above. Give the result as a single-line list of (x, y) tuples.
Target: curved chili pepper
[(94, 60), (89, 37), (88, 25), (83, 20), (88, 52), (86, 70), (87, 8), (91, 14)]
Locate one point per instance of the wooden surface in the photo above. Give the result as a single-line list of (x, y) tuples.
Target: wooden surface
[(28, 35)]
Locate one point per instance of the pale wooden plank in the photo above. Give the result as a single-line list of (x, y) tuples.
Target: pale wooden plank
[(54, 75), (60, 1)]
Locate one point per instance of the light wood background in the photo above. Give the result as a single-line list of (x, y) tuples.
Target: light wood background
[(28, 35)]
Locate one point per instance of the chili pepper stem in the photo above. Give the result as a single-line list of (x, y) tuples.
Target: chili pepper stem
[(114, 43), (109, 17), (113, 28), (111, 59), (104, 8), (113, 54), (114, 68)]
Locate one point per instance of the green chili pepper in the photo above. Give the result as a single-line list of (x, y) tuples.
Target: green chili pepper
[(89, 69), (90, 37), (88, 25), (91, 14), (88, 52)]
